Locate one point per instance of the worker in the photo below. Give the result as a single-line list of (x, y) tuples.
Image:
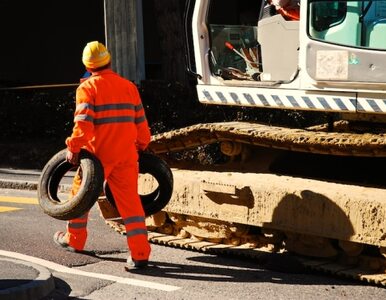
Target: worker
[(110, 122), (289, 9)]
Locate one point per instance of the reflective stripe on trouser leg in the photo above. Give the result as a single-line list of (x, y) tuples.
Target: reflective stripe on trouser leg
[(77, 228), (136, 234), (123, 182)]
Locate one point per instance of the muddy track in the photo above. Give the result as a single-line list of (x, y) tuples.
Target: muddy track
[(301, 140), (322, 265), (317, 140), (259, 255)]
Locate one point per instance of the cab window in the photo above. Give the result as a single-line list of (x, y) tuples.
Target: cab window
[(359, 24)]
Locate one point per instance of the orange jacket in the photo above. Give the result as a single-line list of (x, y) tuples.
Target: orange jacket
[(109, 119)]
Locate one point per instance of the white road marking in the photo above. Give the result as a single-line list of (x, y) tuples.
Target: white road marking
[(63, 269)]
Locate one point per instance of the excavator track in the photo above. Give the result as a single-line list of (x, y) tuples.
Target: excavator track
[(301, 140), (343, 140), (320, 265)]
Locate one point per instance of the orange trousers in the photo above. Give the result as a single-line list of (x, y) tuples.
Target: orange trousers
[(123, 182)]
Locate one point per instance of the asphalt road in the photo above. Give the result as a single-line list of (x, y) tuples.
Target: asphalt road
[(174, 273)]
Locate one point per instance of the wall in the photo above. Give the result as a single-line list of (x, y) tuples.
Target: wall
[(42, 41)]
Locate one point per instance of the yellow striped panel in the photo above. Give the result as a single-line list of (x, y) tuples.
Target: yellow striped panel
[(22, 200)]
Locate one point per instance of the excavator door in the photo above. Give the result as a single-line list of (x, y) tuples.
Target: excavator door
[(346, 41)]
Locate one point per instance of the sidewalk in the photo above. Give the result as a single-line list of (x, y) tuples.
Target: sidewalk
[(21, 279), (24, 280)]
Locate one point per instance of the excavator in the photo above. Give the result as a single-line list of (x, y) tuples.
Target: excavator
[(317, 192)]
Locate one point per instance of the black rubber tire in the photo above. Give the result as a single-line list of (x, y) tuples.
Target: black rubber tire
[(90, 189), (160, 197)]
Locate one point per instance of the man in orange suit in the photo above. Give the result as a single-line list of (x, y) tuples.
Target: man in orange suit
[(110, 122)]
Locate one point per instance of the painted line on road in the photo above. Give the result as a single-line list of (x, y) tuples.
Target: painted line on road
[(63, 269), (8, 208), (22, 200), (18, 200)]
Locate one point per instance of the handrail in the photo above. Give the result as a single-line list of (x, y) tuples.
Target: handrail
[(188, 57)]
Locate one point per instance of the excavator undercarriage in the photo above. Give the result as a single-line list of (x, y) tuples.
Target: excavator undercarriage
[(277, 190)]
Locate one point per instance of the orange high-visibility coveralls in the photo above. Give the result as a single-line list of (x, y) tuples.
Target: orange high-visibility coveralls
[(110, 122)]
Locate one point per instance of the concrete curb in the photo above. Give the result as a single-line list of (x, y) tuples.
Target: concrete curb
[(18, 184), (28, 185), (29, 280)]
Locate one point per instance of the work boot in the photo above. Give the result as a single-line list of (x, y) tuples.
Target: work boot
[(133, 264), (61, 240)]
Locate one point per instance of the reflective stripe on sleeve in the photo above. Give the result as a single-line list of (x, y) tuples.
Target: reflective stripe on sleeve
[(138, 107), (140, 119), (84, 106), (83, 118)]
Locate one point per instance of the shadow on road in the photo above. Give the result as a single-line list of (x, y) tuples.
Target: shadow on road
[(275, 268)]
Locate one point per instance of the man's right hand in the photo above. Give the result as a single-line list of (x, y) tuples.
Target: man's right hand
[(72, 158)]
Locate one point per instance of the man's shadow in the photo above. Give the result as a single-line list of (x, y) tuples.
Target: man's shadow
[(271, 267)]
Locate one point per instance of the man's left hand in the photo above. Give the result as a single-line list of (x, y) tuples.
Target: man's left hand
[(72, 158)]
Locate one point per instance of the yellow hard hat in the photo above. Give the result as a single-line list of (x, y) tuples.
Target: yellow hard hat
[(95, 55)]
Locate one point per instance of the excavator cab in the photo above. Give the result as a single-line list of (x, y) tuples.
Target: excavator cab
[(243, 44), (234, 50), (228, 62), (244, 41), (332, 57)]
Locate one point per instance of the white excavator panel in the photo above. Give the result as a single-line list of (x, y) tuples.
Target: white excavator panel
[(332, 58)]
